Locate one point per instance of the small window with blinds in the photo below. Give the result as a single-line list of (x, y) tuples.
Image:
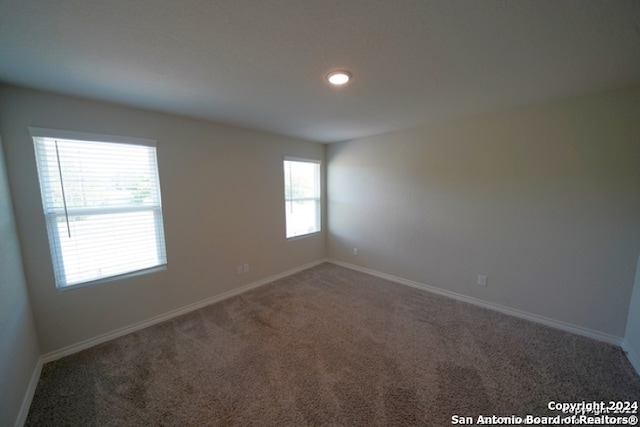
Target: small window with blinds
[(102, 205), (302, 196)]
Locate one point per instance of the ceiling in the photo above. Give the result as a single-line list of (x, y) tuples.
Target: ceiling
[(261, 64)]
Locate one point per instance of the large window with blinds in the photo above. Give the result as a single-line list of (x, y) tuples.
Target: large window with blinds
[(102, 205), (302, 196)]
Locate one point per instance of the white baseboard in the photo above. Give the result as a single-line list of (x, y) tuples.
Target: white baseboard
[(597, 335), (83, 345), (28, 396), (633, 357), (74, 348)]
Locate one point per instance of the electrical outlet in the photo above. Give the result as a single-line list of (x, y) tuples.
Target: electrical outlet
[(239, 268), (355, 251), (245, 268), (482, 280)]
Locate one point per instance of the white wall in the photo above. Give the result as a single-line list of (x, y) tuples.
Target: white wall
[(19, 351), (223, 204), (544, 200), (632, 335)]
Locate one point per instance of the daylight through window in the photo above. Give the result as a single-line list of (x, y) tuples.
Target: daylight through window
[(101, 200), (302, 196)]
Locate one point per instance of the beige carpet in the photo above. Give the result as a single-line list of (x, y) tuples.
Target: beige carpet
[(329, 346)]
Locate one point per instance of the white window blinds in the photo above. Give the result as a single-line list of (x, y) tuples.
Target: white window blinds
[(102, 207), (302, 196)]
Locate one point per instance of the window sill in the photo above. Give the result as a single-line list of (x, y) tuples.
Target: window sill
[(302, 236), (109, 279)]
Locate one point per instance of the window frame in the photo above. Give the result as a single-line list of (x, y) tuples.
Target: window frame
[(50, 218), (318, 199)]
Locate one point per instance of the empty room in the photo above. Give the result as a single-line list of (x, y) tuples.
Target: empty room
[(298, 212)]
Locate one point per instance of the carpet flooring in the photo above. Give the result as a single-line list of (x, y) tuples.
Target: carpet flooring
[(329, 346)]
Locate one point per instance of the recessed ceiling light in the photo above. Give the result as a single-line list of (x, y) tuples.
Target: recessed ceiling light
[(339, 78)]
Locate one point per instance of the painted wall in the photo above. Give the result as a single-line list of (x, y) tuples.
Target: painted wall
[(223, 205), (544, 200), (19, 350), (632, 335)]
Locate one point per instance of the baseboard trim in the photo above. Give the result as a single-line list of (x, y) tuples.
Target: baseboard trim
[(28, 395), (74, 348), (83, 345), (567, 327), (633, 357)]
